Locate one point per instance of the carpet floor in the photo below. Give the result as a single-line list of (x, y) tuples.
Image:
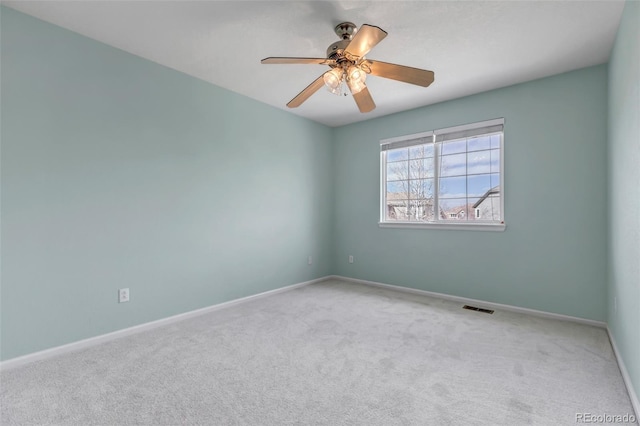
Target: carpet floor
[(332, 353)]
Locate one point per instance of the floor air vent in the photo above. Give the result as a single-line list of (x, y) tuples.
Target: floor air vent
[(473, 308)]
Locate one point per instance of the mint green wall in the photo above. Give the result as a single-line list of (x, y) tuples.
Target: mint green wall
[(552, 256), (118, 172), (624, 191)]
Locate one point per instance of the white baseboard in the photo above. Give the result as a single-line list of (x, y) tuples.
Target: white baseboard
[(625, 375), (475, 302), (92, 341)]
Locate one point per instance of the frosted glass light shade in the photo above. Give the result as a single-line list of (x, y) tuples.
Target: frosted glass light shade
[(355, 79), (333, 79)]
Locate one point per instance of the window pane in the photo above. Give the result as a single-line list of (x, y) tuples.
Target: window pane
[(495, 141), (398, 154), (495, 160), (397, 210), (409, 210), (421, 151), (420, 169), (421, 189), (397, 190), (495, 180), (480, 143), (453, 187), (479, 162), (454, 209), (488, 208), (420, 210), (471, 210), (478, 185), (454, 147), (397, 170), (453, 165), (429, 214)]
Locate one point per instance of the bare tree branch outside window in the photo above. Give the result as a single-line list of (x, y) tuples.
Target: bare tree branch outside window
[(412, 184)]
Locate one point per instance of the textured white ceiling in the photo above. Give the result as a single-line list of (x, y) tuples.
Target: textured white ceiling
[(472, 46)]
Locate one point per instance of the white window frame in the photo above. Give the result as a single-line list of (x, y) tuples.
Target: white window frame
[(439, 223)]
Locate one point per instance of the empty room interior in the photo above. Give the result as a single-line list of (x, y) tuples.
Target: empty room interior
[(324, 212)]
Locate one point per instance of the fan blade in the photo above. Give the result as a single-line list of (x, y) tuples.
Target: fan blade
[(401, 73), (276, 60), (364, 40), (364, 100), (306, 93)]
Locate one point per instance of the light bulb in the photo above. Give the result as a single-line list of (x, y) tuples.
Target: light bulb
[(355, 79), (333, 79), (357, 74)]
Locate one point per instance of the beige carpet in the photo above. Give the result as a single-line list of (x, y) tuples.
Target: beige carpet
[(331, 353)]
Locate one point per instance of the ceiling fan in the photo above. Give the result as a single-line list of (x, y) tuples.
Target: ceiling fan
[(349, 67)]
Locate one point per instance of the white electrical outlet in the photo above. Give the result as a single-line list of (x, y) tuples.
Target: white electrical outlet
[(123, 295), (310, 260), (350, 259)]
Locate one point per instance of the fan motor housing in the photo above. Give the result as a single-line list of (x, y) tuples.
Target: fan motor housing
[(336, 50)]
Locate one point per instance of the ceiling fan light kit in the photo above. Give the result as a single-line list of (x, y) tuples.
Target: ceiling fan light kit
[(349, 67), (337, 78)]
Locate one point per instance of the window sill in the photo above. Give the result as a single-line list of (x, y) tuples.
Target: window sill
[(499, 227)]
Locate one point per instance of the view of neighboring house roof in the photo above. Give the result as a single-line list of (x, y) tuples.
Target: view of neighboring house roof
[(392, 196), (400, 198), (459, 212), (494, 190)]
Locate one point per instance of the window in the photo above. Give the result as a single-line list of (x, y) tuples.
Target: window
[(446, 178)]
